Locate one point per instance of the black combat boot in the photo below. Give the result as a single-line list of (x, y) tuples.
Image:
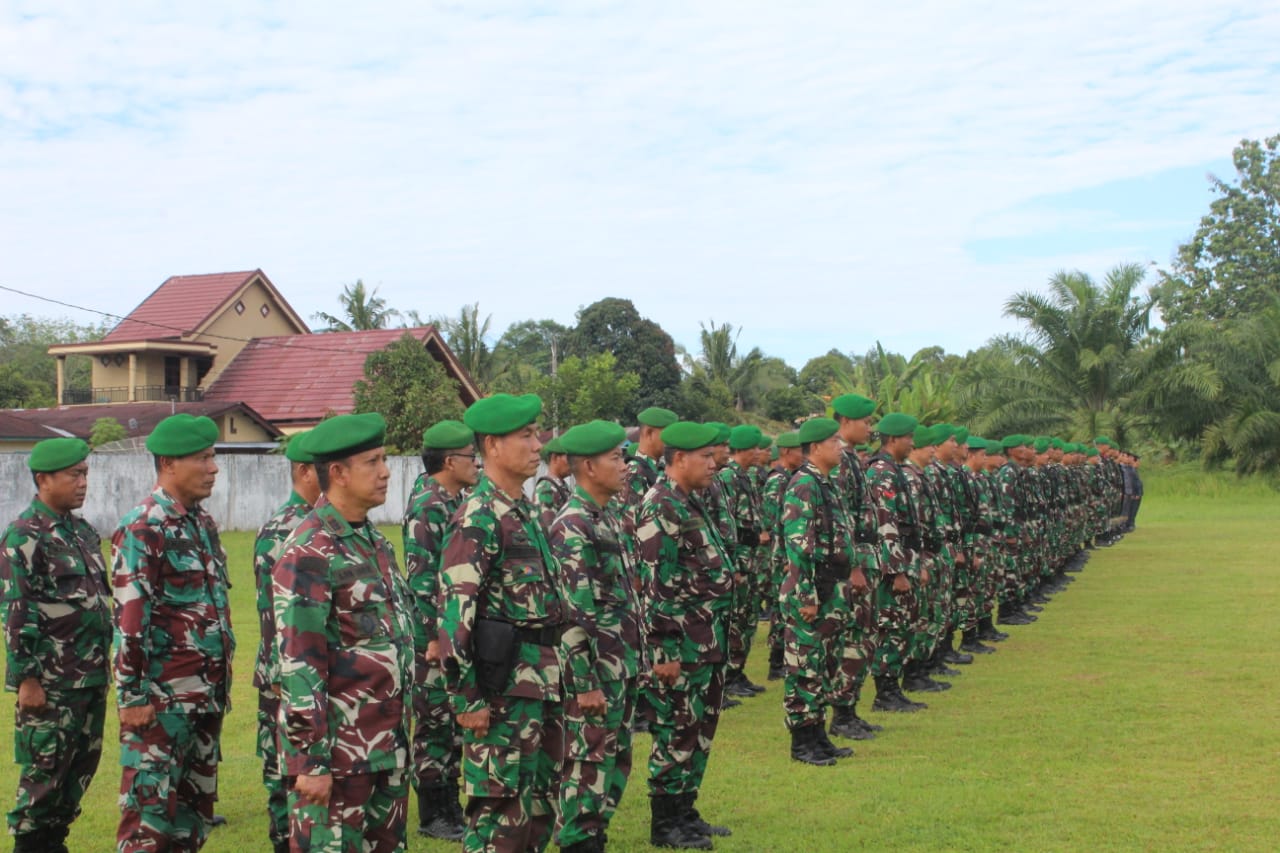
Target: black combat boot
[(824, 743), (973, 643), (56, 839), (667, 827), (31, 842), (694, 821), (776, 665), (435, 815), (280, 846), (938, 664), (889, 697), (949, 653), (845, 724), (916, 680), (805, 748), (591, 844), (987, 631), (755, 689), (735, 684)]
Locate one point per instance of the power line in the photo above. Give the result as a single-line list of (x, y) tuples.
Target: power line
[(260, 341)]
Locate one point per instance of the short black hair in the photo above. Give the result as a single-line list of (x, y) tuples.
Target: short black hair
[(157, 460), (575, 461), (804, 447), (479, 441), (433, 459), (322, 470), (669, 454), (35, 478)]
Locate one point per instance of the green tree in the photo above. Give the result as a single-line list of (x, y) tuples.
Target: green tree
[(362, 310), (467, 336), (585, 389), (614, 325), (28, 374), (1231, 266), (527, 350), (410, 389), (1072, 372), (723, 364), (828, 375), (105, 431)]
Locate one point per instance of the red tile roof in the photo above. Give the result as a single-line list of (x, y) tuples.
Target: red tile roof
[(178, 306), (300, 378), (138, 419), (15, 427)]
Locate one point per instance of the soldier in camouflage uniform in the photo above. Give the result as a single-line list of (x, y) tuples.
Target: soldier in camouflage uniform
[(57, 623), (601, 647), (551, 492), (267, 548), (819, 557), (689, 593), (449, 462), (932, 519), (173, 645), (742, 499), (643, 468), (343, 615), (981, 541), (1011, 500), (775, 485), (502, 612), (901, 537)]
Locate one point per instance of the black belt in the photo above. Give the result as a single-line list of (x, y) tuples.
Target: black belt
[(547, 635)]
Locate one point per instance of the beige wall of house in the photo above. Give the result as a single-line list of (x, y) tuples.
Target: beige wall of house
[(16, 446), (249, 324), (233, 427)]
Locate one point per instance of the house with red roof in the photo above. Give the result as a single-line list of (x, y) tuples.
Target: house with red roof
[(233, 339)]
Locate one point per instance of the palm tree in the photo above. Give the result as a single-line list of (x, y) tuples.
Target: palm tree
[(721, 362), (466, 337), (1072, 371), (364, 310)]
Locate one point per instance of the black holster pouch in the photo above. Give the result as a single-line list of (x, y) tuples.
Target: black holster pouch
[(827, 574), (494, 646), (748, 536)]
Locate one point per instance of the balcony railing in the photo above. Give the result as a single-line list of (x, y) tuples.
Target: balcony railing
[(142, 394)]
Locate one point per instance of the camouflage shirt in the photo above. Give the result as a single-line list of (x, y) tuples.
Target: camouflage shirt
[(924, 500), (550, 494), (896, 517), (851, 482), (57, 604), (267, 548), (741, 501), (1007, 490), (818, 534), (497, 565), (603, 642), (947, 512), (715, 499), (425, 520), (689, 577), (346, 650), (172, 620)]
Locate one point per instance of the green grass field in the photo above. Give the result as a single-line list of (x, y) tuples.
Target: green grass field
[(1142, 712)]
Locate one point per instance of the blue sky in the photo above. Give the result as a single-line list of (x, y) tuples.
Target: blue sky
[(822, 175)]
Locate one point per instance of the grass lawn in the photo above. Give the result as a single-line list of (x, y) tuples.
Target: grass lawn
[(1142, 712)]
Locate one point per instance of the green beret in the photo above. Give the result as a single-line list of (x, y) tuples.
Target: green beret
[(994, 447), (656, 416), (1057, 443), (744, 437), (1103, 440), (346, 435), (961, 435), (182, 435), (896, 424), (447, 435), (922, 436), (500, 414), (774, 453), (54, 454), (296, 449), (941, 432), (1041, 444), (685, 435), (817, 429), (1016, 440), (789, 439), (592, 439), (765, 442), (975, 442), (863, 448), (722, 432), (1091, 451), (853, 406), (552, 446)]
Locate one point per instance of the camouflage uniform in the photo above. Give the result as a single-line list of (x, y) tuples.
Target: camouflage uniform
[(437, 741), (267, 548), (864, 635), (774, 566), (550, 494), (689, 595), (819, 553), (342, 614), (948, 526), (173, 651), (1007, 491), (602, 651), (900, 539), (497, 565), (931, 523), (741, 501), (57, 621)]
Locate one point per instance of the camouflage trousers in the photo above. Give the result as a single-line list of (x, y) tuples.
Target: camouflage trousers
[(897, 616), (366, 814), (985, 578), (862, 634), (511, 776), (814, 655), (437, 739), (274, 781), (685, 717), (931, 607), (57, 750), (169, 783), (772, 600), (597, 763), (966, 593), (744, 614)]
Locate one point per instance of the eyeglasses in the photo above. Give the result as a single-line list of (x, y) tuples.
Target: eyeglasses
[(470, 456)]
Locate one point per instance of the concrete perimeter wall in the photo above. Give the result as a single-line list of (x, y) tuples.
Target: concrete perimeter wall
[(249, 488)]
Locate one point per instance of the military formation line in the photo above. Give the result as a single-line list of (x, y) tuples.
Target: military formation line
[(526, 640)]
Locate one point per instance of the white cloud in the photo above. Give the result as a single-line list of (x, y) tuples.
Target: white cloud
[(786, 167)]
